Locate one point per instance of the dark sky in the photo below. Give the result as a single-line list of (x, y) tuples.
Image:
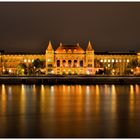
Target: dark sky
[(27, 27)]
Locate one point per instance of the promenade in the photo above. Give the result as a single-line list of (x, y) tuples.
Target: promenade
[(69, 80)]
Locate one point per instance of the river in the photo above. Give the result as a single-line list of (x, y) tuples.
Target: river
[(69, 111)]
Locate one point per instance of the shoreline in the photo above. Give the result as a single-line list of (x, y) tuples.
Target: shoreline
[(69, 80)]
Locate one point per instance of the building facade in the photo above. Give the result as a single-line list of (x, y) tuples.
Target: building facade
[(72, 59)]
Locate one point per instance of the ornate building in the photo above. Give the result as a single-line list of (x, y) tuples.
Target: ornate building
[(71, 59)]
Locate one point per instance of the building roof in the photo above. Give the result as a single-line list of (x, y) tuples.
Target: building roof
[(115, 53), (68, 48)]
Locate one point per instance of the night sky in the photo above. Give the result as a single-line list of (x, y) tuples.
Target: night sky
[(27, 27)]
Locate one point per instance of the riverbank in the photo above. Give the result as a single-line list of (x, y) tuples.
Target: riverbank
[(69, 80)]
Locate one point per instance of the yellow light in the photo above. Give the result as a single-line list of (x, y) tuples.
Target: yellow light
[(10, 70), (101, 60), (131, 102), (25, 60), (88, 72)]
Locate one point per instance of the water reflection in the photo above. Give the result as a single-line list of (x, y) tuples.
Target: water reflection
[(3, 99), (23, 99), (113, 99), (131, 105), (61, 110)]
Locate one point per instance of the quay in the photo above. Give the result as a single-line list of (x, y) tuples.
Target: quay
[(69, 80)]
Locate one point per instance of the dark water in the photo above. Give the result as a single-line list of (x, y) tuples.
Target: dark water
[(70, 111)]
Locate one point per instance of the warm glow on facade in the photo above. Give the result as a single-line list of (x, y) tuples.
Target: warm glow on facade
[(72, 59)]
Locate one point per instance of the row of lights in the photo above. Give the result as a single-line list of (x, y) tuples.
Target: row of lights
[(29, 61), (113, 60)]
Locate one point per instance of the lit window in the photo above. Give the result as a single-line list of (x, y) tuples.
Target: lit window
[(124, 60), (10, 70), (112, 60), (120, 60), (127, 60), (69, 51), (105, 60), (108, 60), (32, 60), (25, 60), (101, 60), (116, 60), (29, 60), (108, 65)]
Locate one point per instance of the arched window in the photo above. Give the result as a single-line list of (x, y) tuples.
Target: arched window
[(64, 63), (58, 63), (69, 63), (75, 63), (81, 63)]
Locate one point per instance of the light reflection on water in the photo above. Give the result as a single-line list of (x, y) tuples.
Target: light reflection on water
[(69, 111)]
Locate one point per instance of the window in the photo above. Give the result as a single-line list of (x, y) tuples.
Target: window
[(58, 63), (81, 63), (89, 65), (75, 63), (69, 63), (64, 63), (49, 70), (127, 60), (49, 65)]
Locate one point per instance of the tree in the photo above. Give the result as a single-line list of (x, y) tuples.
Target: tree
[(98, 64), (37, 64), (133, 63), (21, 69), (30, 69)]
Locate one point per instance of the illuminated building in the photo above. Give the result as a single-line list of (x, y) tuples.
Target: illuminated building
[(71, 59)]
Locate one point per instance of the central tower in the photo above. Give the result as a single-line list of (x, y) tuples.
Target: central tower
[(89, 59), (49, 59)]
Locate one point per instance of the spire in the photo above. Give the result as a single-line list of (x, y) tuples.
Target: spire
[(50, 48), (89, 47), (77, 44), (60, 44)]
